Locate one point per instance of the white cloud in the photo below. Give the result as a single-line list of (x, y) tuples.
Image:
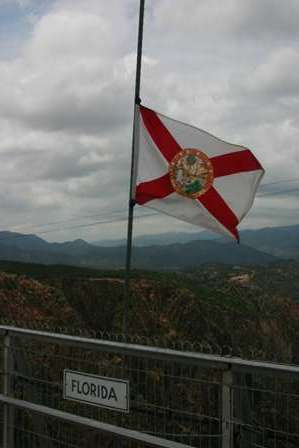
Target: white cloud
[(276, 76)]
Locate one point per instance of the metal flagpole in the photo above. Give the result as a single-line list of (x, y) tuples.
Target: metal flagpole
[(133, 169)]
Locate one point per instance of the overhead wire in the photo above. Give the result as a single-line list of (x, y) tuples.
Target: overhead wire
[(78, 226), (75, 218), (123, 216), (53, 223), (282, 181), (96, 223), (277, 193)]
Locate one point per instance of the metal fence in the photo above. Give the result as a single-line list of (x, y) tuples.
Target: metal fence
[(177, 398)]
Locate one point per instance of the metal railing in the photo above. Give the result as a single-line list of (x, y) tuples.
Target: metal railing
[(177, 398)]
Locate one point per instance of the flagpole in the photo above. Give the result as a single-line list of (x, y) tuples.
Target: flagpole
[(133, 169)]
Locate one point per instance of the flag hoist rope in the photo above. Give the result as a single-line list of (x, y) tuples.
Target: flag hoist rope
[(133, 169)]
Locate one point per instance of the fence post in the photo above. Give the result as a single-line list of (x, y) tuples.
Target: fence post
[(8, 412), (227, 409), (6, 386)]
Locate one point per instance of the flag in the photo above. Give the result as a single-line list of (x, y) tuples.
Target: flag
[(193, 176)]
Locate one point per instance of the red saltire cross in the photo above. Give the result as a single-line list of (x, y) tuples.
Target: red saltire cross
[(223, 165)]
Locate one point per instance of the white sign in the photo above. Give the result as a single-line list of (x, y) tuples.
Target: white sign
[(99, 391)]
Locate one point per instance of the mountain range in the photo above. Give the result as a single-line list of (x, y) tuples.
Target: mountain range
[(160, 239), (282, 242), (169, 252)]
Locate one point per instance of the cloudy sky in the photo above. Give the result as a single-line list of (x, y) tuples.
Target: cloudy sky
[(67, 72)]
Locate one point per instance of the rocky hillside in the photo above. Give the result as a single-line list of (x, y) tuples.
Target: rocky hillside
[(27, 301), (217, 309), (224, 320)]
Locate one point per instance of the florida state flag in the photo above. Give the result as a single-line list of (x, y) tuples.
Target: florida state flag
[(190, 174)]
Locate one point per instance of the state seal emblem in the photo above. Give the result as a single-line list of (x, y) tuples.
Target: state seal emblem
[(191, 173)]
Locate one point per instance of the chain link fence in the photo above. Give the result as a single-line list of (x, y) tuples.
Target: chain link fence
[(193, 399)]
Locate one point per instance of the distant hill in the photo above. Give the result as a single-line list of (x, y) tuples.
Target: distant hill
[(161, 239), (32, 249), (188, 255), (282, 242)]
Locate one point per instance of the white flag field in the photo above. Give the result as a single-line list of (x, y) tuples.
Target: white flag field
[(193, 176)]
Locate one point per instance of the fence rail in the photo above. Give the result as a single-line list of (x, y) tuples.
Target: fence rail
[(176, 398)]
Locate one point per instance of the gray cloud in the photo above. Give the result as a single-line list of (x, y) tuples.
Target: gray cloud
[(253, 19), (66, 101)]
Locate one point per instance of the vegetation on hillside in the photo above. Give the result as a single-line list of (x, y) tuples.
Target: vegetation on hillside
[(26, 300), (229, 310)]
